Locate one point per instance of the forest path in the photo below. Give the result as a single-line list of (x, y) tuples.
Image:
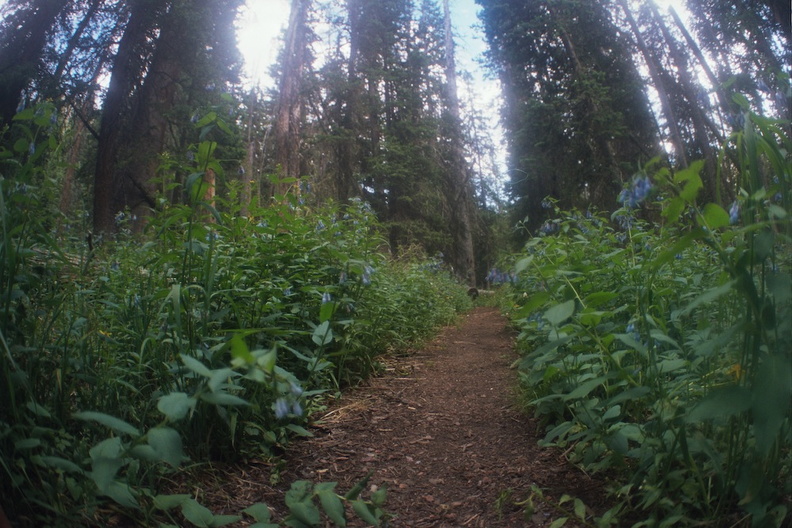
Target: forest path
[(441, 430)]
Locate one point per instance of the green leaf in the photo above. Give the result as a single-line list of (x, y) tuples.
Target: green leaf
[(558, 523), (721, 402), (365, 511), (176, 405), (714, 216), (259, 511), (299, 431), (222, 520), (168, 502), (560, 312), (61, 464), (580, 510), (305, 512), (116, 424), (322, 335), (197, 514), (332, 506), (378, 497), (223, 398), (195, 366), (122, 494), (168, 445), (240, 351), (219, 377)]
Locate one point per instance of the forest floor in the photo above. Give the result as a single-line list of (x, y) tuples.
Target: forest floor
[(441, 429)]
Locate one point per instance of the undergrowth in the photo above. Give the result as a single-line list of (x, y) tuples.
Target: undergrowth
[(659, 353), (210, 336)]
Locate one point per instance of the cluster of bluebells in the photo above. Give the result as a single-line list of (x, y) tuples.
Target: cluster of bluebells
[(550, 227), (289, 404), (495, 276), (637, 192)]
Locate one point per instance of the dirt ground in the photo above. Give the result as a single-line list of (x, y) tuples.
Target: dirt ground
[(441, 430)]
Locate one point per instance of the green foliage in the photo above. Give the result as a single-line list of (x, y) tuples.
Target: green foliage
[(662, 353), (210, 336)]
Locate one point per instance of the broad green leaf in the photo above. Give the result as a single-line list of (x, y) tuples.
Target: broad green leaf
[(223, 398), (27, 443), (721, 402), (239, 351), (176, 405), (332, 506), (122, 494), (305, 512), (116, 424), (670, 365), (326, 311), (104, 471), (222, 520), (298, 430), (196, 366), (364, 511), (560, 312), (584, 389), (168, 445), (558, 523), (61, 463), (580, 509), (219, 377), (197, 514), (715, 216), (322, 335), (167, 502), (259, 511), (378, 497)]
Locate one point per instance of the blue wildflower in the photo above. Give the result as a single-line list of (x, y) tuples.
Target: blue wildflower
[(547, 204), (295, 388), (637, 193), (326, 298), (320, 226), (297, 408), (734, 212), (281, 408)]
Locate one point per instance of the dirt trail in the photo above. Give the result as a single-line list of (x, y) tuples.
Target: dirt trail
[(442, 432)]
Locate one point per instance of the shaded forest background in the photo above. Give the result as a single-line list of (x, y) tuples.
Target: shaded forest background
[(592, 90)]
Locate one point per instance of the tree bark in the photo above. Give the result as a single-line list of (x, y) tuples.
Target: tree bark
[(660, 86), (127, 68), (290, 107), (458, 190)]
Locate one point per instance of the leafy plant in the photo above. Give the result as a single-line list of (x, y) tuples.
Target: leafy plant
[(661, 352)]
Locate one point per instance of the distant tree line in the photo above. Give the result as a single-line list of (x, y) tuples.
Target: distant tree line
[(593, 89)]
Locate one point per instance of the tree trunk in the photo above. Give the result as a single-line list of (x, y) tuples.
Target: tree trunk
[(660, 86), (458, 190), (127, 68), (289, 113)]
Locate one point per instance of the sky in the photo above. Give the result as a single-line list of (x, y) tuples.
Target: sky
[(263, 21)]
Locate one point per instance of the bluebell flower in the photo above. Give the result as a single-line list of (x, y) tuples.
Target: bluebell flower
[(295, 388), (297, 408), (366, 279), (32, 148), (326, 298), (734, 212), (320, 226), (281, 408), (547, 204), (287, 291), (342, 277), (637, 193)]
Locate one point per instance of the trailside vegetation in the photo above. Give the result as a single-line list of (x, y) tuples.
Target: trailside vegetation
[(209, 336), (656, 341)]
